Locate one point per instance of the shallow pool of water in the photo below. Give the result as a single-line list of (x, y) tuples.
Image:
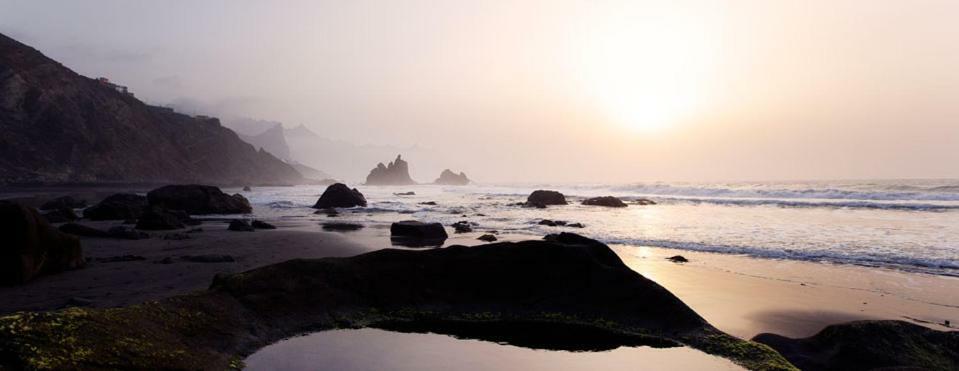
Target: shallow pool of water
[(372, 349)]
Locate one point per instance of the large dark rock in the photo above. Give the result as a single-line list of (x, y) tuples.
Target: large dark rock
[(198, 200), (870, 345), (566, 293), (61, 215), (417, 229), (121, 206), (31, 247), (63, 202), (61, 127), (397, 172), (544, 198), (157, 219), (339, 195), (448, 177), (607, 201)]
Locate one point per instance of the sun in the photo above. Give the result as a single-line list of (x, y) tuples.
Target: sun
[(645, 74)]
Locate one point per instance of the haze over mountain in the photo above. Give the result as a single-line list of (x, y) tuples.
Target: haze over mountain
[(61, 127)]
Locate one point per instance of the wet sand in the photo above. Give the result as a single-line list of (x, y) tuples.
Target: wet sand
[(739, 295)]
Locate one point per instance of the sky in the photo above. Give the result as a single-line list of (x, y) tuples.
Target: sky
[(552, 91)]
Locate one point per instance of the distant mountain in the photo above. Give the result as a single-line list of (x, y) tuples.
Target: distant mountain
[(311, 173), (397, 172), (60, 127), (272, 140)]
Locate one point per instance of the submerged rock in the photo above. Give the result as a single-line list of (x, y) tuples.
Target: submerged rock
[(870, 345), (397, 172), (339, 195), (240, 225), (543, 198), (522, 293), (32, 247), (607, 201), (63, 202), (448, 177), (120, 206), (198, 199)]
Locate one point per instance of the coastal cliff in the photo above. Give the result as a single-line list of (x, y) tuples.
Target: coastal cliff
[(60, 127)]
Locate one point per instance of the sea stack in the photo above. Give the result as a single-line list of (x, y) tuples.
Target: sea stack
[(396, 172), (448, 177)]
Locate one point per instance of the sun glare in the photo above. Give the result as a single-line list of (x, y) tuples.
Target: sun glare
[(647, 74)]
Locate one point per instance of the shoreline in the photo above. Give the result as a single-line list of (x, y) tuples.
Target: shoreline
[(740, 295)]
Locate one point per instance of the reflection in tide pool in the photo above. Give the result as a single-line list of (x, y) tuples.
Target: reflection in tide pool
[(372, 349)]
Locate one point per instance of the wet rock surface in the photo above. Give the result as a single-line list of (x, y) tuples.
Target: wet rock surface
[(543, 198), (195, 199), (607, 201), (339, 195)]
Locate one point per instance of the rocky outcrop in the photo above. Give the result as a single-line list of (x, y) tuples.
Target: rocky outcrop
[(339, 195), (120, 206), (870, 345), (448, 177), (61, 216), (543, 198), (396, 172), (63, 202), (417, 229), (157, 219), (198, 200), (61, 127), (607, 201), (545, 294), (31, 247)]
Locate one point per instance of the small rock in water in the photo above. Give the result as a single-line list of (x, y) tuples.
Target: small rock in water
[(404, 193), (240, 225), (547, 222), (487, 238), (428, 203), (462, 227), (212, 258), (678, 259), (576, 225), (247, 189), (258, 224), (643, 202), (607, 201)]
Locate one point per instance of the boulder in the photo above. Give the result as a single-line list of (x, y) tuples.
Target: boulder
[(576, 225), (247, 189), (870, 345), (487, 238), (240, 225), (63, 202), (547, 222), (396, 173), (678, 259), (417, 229), (543, 198), (83, 231), (448, 177), (198, 200), (157, 219), (339, 195), (462, 227), (120, 206), (259, 224), (31, 247), (607, 201), (61, 215)]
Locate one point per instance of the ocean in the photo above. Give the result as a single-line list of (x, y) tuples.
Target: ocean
[(910, 225)]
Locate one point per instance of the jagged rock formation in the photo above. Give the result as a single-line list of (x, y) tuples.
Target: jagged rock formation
[(552, 293), (448, 177), (61, 127), (396, 172)]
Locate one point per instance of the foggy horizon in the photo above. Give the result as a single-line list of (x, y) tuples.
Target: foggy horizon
[(561, 91)]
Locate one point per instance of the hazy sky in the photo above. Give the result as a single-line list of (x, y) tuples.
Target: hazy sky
[(553, 90)]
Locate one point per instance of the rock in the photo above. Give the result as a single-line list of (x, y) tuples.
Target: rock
[(607, 201), (678, 259), (428, 203), (462, 227), (643, 202), (197, 199), (126, 233), (572, 293), (31, 247), (560, 223), (342, 227), (240, 225), (404, 193), (396, 173), (156, 219), (211, 258), (83, 231), (247, 189), (547, 222), (61, 216), (576, 225), (339, 195), (63, 202), (487, 238), (870, 345), (417, 229), (121, 258), (545, 198), (120, 206), (259, 224), (448, 177)]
